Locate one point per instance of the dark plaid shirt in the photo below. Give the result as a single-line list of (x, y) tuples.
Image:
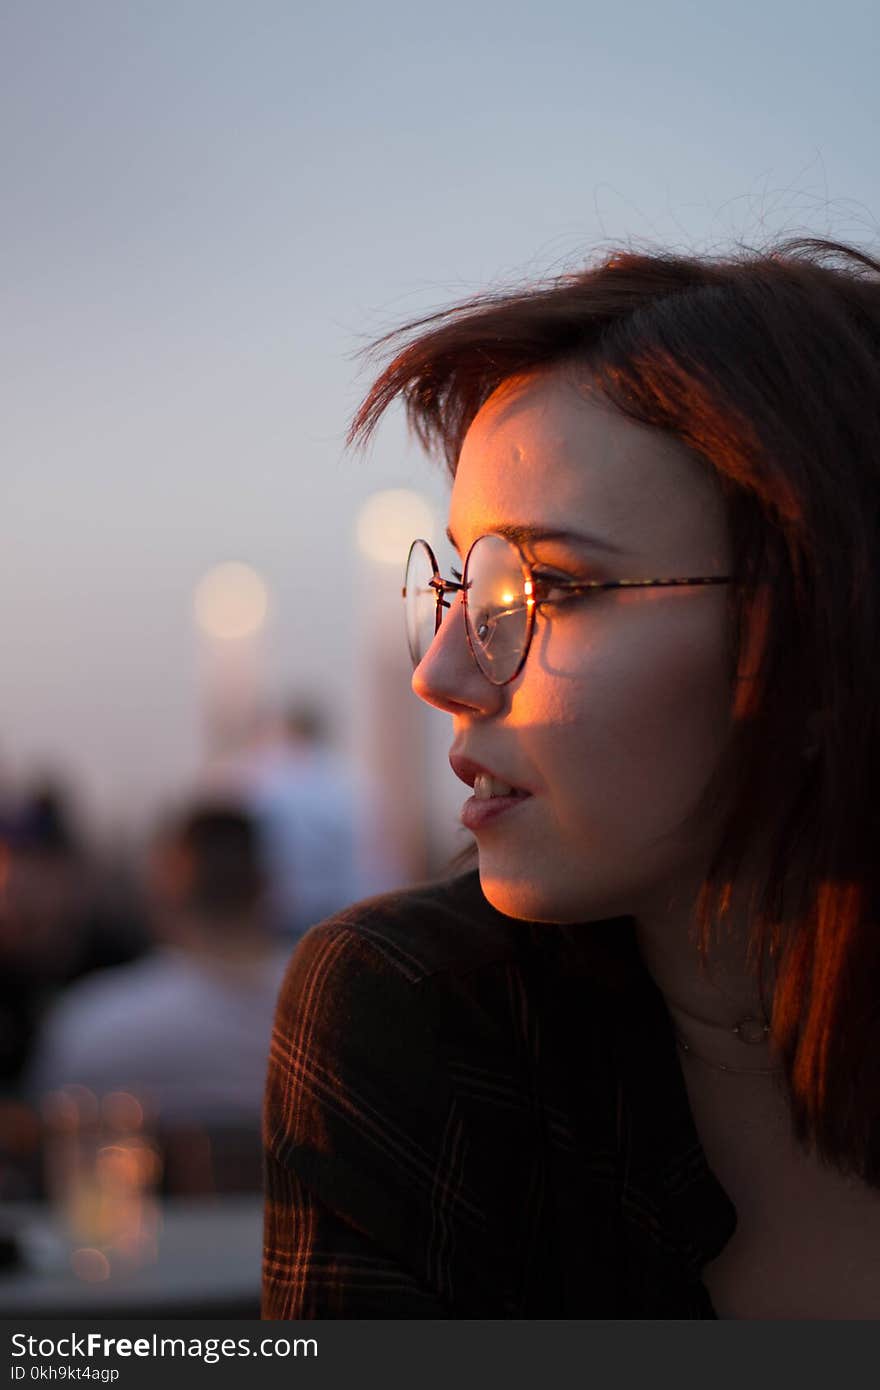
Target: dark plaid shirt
[(473, 1117)]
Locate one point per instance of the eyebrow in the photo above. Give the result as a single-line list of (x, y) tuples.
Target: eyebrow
[(529, 535)]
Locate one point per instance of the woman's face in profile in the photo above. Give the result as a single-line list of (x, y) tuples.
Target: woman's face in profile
[(621, 710)]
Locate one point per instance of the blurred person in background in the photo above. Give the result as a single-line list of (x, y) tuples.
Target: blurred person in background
[(187, 1027), (320, 823), (63, 913)]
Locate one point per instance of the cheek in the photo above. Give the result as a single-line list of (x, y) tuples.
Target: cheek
[(633, 733)]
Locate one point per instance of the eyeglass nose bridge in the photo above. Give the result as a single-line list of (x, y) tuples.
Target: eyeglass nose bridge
[(442, 587)]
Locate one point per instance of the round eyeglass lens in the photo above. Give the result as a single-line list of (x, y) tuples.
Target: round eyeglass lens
[(420, 601), (499, 607)]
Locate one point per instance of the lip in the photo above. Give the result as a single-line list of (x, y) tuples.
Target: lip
[(467, 771), (478, 811)]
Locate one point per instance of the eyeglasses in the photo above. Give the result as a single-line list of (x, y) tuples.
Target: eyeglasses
[(500, 593)]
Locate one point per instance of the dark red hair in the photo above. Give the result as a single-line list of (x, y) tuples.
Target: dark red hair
[(767, 365)]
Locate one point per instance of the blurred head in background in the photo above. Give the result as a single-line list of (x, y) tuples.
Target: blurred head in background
[(43, 886), (207, 882)]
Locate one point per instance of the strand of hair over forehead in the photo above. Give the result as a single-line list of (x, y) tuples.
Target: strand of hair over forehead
[(450, 361)]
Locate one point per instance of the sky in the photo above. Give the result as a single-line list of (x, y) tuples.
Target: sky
[(209, 208)]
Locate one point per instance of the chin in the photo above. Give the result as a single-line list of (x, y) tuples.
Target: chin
[(532, 899)]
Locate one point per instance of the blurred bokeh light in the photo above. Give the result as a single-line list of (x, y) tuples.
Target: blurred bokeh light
[(390, 521), (231, 601)]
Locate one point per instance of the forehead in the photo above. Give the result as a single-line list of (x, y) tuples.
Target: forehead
[(541, 451)]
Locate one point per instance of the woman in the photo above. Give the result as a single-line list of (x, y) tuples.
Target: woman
[(632, 1067)]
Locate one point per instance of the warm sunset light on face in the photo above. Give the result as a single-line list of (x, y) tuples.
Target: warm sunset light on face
[(389, 521), (231, 601), (637, 692)]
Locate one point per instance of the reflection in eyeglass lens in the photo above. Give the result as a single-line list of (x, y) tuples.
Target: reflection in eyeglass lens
[(498, 606)]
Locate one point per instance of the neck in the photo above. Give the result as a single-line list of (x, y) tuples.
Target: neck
[(716, 1011)]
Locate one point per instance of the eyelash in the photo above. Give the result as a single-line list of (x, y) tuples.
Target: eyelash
[(544, 579)]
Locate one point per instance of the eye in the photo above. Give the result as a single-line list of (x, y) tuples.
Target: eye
[(556, 589)]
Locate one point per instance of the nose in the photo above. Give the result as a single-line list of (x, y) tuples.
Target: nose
[(447, 675)]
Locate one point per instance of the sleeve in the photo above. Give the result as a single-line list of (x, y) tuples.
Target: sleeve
[(362, 1141)]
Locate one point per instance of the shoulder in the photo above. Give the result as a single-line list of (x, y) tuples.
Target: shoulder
[(392, 994), (372, 996), (116, 990), (363, 1100), (88, 1028), (365, 972), (414, 1046), (415, 956), (158, 992), (444, 927), (444, 937)]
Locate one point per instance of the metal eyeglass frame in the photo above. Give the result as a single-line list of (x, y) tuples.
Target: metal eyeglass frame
[(533, 586)]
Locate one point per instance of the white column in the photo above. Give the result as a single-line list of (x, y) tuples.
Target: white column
[(231, 605), (390, 722)]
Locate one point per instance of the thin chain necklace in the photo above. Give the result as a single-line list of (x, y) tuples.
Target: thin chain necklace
[(751, 1031)]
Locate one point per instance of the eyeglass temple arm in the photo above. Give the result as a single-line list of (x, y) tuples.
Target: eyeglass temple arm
[(576, 585)]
